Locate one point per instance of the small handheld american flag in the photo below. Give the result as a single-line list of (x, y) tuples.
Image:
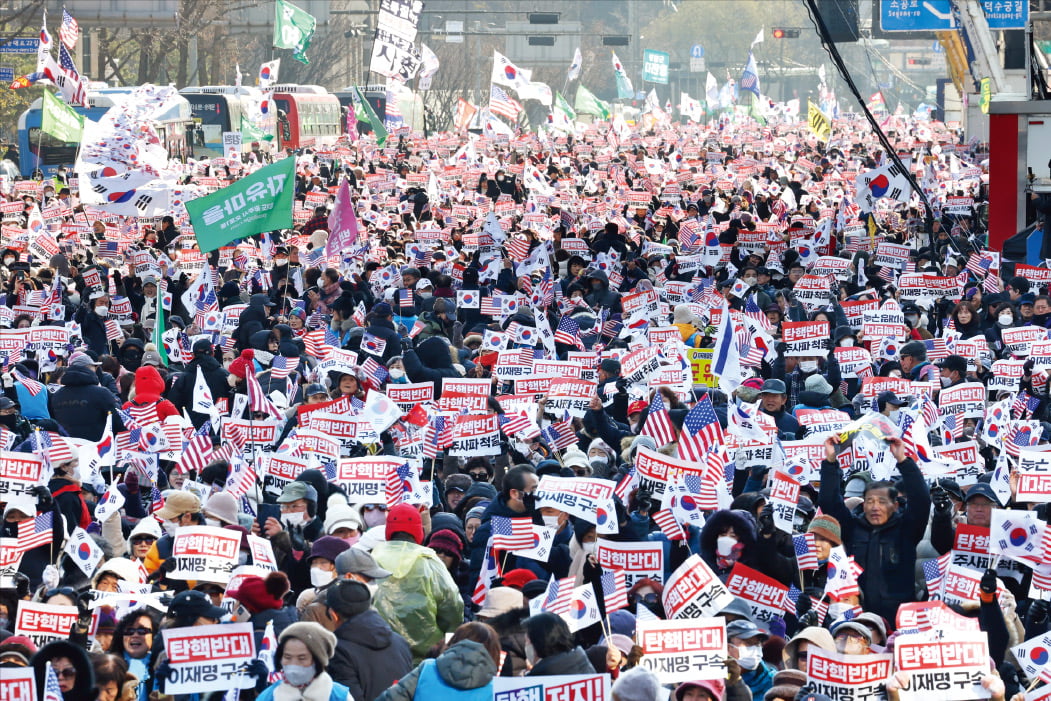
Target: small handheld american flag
[(806, 551), (512, 533)]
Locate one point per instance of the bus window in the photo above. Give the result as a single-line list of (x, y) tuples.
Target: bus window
[(51, 151)]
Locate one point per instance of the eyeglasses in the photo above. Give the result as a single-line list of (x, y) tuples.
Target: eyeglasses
[(138, 631), (66, 672), (374, 507), (143, 538)]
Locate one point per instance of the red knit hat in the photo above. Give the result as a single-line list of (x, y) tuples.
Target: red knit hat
[(258, 594), (242, 365), (404, 518), (518, 578)]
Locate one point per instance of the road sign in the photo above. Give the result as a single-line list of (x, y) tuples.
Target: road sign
[(698, 64), (7, 74), (655, 66), (19, 45), (936, 15)]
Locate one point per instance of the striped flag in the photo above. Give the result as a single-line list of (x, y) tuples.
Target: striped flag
[(257, 399), (376, 373), (560, 435), (700, 429), (752, 310), (568, 332), (806, 551), (52, 689), (521, 422), (32, 533), (627, 483), (502, 104), (33, 386), (934, 572), (658, 424), (614, 590), (490, 571), (281, 367), (512, 533), (69, 31), (559, 595), (669, 525)]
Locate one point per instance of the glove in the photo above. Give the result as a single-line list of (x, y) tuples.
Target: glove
[(942, 502), (84, 610), (162, 571), (987, 587), (257, 668), (766, 521), (1037, 613), (44, 501), (50, 577), (162, 672), (803, 605), (131, 481), (809, 618), (295, 534), (643, 501)]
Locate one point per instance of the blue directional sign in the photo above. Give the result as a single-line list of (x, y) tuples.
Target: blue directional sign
[(936, 15), (19, 45), (7, 74), (697, 51)]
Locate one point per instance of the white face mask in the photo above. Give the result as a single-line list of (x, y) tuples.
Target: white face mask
[(748, 656), (374, 518), (242, 557), (280, 261), (212, 522), (590, 548), (724, 544), (8, 261), (551, 521), (946, 382), (836, 610), (1005, 319), (102, 311), (912, 319), (750, 281), (169, 527), (895, 415), (808, 365), (74, 300), (846, 343), (298, 675), (295, 518), (397, 373), (320, 577)]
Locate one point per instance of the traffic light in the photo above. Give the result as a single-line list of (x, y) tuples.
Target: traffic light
[(785, 33), (620, 40), (543, 17), (541, 41)]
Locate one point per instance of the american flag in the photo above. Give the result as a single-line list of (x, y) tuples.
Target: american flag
[(752, 310), (439, 435), (806, 551), (33, 386), (560, 435), (1024, 403), (376, 373), (689, 233), (66, 62), (700, 429), (196, 454), (1020, 435), (502, 104), (518, 249), (929, 411), (568, 332), (887, 275), (317, 343), (614, 590), (952, 428), (512, 533), (156, 499), (669, 524), (400, 481), (281, 367), (52, 689), (258, 401), (405, 297), (991, 283), (936, 349), (658, 424), (69, 31), (933, 572), (626, 484), (32, 533), (559, 595), (520, 422)]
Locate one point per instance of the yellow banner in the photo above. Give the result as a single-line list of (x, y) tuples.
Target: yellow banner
[(820, 125)]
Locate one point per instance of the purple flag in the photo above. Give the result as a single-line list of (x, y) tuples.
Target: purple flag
[(342, 222), (352, 122)]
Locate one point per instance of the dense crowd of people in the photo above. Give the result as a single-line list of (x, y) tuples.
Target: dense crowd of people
[(673, 276)]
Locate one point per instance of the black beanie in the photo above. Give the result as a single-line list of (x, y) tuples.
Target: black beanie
[(348, 598)]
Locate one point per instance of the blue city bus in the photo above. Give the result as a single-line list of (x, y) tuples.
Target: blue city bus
[(39, 151)]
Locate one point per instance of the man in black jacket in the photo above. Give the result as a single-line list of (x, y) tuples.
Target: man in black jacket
[(181, 394), (369, 656), (381, 326), (882, 533), (82, 406)]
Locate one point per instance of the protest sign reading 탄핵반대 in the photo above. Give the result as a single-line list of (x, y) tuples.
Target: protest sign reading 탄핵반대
[(209, 658), (684, 650), (204, 553)]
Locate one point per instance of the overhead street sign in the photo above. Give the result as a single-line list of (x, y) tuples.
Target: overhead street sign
[(697, 60), (936, 15)]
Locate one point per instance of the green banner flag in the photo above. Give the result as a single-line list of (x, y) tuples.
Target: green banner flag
[(60, 120), (587, 103), (158, 333), (362, 107), (563, 105), (293, 29), (253, 205), (251, 132)]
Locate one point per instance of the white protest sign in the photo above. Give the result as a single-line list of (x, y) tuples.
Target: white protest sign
[(949, 669), (43, 623), (805, 338), (848, 676), (204, 553), (1034, 477), (586, 498), (637, 560), (209, 658), (561, 687), (683, 650), (693, 591)]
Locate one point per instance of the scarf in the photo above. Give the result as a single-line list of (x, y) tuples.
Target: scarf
[(319, 689), (725, 563)]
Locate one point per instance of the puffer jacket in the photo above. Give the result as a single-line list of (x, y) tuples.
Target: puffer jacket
[(573, 661), (369, 656), (81, 405), (759, 553), (149, 386), (430, 362), (464, 670)]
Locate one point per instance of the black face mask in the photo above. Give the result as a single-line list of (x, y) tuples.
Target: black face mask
[(9, 420), (529, 500)]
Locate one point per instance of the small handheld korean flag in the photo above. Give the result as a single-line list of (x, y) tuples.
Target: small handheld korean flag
[(202, 397), (83, 551), (109, 504)]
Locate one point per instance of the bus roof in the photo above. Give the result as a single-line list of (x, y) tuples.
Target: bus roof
[(302, 89), (107, 97), (220, 90)]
